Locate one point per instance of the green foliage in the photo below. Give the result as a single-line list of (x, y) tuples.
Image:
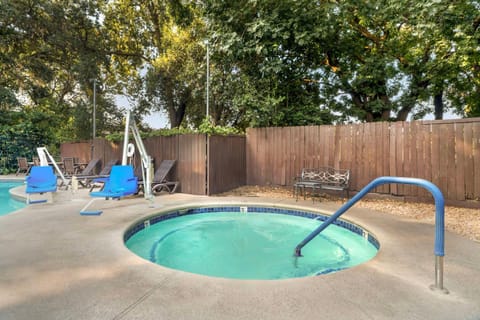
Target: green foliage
[(271, 46), (164, 39), (208, 127), (49, 54), (271, 63), (118, 136), (376, 60), (20, 135), (8, 101)]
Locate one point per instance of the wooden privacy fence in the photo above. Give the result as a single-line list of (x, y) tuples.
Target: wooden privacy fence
[(446, 153), (205, 165)]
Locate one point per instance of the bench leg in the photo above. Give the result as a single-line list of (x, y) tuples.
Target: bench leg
[(316, 191), (302, 190)]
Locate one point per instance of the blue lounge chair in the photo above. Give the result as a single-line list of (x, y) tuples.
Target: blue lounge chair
[(121, 182), (88, 181), (40, 180)]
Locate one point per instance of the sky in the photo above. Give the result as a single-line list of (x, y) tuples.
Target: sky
[(159, 120), (156, 120)]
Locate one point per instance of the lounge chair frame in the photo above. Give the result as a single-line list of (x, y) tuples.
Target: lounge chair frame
[(160, 181), (23, 166)]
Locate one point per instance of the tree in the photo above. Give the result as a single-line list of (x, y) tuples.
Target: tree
[(152, 32), (50, 52), (463, 91), (20, 135), (392, 59), (379, 60), (175, 79), (269, 45), (272, 63)]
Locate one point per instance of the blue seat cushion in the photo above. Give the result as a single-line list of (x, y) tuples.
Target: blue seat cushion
[(41, 179), (120, 183)]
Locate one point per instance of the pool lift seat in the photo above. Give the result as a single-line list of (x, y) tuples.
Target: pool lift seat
[(46, 159), (122, 180), (40, 180), (121, 183)]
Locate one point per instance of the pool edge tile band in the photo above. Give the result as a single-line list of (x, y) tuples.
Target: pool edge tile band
[(242, 209)]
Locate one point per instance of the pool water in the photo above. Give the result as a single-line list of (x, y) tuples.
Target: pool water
[(7, 203), (249, 245)]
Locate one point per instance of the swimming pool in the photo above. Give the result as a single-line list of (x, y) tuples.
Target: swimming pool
[(7, 203), (249, 242)]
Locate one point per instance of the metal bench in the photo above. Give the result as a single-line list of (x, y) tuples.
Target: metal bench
[(327, 178)]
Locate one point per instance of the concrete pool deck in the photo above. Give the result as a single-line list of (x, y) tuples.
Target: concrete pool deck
[(57, 264)]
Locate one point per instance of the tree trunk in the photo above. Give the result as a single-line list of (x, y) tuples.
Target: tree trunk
[(403, 113), (438, 103), (176, 114)]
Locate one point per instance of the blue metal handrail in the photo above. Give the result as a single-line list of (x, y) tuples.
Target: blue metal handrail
[(439, 249)]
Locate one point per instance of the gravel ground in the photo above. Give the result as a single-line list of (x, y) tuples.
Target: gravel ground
[(463, 221)]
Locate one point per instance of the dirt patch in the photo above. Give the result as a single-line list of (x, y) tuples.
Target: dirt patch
[(462, 221)]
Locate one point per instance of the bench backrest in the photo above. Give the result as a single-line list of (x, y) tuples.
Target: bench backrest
[(327, 175)]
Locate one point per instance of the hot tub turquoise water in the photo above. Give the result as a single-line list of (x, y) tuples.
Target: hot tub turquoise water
[(7, 203), (258, 244)]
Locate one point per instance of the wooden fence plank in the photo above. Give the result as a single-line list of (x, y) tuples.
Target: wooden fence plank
[(322, 138), (359, 156), (337, 148), (435, 154), (459, 162), (402, 155), (442, 159), (262, 141), (399, 155), (425, 156), (374, 151), (278, 159), (385, 141), (468, 160), (290, 155), (347, 154), (377, 150), (270, 141), (318, 146), (377, 153), (408, 165), (251, 146), (393, 157), (450, 159), (285, 178), (318, 140), (428, 154), (476, 160), (330, 146), (370, 156), (299, 142), (310, 146), (277, 151), (257, 178)]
